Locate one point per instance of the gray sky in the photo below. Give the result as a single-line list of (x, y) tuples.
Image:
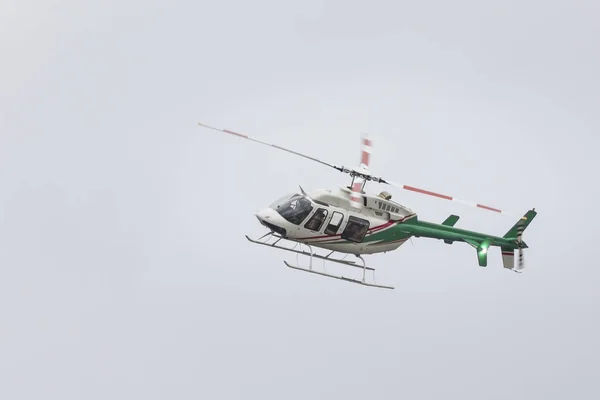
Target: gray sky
[(125, 272)]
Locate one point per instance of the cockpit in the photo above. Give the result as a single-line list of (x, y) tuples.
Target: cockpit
[(321, 218), (293, 208)]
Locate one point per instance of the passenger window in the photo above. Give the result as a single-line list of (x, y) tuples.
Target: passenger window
[(356, 229), (316, 221), (334, 223)]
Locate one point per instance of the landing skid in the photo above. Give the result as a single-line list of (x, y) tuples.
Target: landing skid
[(311, 254)]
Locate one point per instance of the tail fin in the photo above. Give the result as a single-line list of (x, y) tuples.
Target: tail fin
[(508, 257), (516, 233), (521, 225)]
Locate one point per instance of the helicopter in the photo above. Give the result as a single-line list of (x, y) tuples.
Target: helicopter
[(350, 221)]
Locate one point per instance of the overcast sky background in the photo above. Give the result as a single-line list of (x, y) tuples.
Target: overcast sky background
[(124, 269)]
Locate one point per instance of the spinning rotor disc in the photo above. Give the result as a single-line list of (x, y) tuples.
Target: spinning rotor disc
[(361, 174)]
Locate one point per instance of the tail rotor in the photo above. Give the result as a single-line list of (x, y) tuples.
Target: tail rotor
[(520, 229)]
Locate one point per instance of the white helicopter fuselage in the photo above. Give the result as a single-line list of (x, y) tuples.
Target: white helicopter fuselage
[(326, 219), (352, 222)]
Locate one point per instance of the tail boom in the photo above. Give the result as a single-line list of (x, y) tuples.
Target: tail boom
[(446, 231)]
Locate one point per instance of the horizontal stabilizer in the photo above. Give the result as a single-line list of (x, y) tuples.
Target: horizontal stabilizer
[(451, 220)]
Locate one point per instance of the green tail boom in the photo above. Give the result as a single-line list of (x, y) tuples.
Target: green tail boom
[(446, 231)]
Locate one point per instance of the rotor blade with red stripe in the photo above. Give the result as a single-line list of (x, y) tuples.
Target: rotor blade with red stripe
[(446, 197), (356, 196), (244, 136), (366, 152)]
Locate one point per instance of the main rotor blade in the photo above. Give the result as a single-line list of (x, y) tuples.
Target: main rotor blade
[(341, 169), (446, 197), (356, 196), (362, 172), (366, 151)]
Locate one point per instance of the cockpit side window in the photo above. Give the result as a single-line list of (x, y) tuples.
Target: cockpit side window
[(295, 210), (316, 221)]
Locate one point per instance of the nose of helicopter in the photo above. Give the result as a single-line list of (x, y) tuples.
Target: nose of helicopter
[(263, 215), (269, 218)]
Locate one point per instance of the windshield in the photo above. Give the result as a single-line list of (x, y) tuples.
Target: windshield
[(295, 210), (282, 200)]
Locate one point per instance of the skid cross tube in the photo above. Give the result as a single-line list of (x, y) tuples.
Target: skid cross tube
[(312, 254), (343, 278), (327, 258)]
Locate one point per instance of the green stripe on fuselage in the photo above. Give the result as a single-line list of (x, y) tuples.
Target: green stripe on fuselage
[(390, 234), (414, 227)]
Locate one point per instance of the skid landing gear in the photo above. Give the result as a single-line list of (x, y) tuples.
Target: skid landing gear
[(264, 240)]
